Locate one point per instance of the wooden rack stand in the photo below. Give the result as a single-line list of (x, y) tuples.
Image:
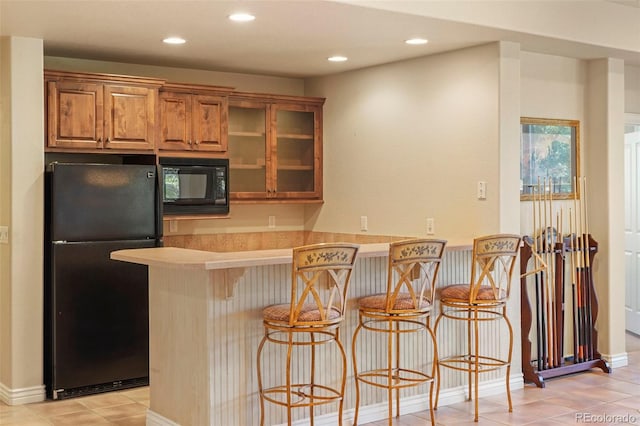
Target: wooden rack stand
[(550, 313)]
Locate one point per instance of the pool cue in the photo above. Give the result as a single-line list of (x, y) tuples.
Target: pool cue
[(548, 293), (537, 284), (552, 277), (543, 331), (574, 295), (559, 289), (580, 278), (588, 276)]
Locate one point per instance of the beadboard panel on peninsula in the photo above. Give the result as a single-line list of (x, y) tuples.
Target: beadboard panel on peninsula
[(206, 326)]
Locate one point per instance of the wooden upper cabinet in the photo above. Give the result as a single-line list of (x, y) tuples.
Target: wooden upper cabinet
[(210, 123), (75, 115), (273, 142), (100, 112), (131, 120), (193, 118), (175, 125)]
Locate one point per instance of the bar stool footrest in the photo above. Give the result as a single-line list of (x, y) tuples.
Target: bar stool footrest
[(403, 378), (305, 394), (467, 363)]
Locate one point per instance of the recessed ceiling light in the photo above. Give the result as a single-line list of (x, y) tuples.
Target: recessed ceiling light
[(242, 17), (174, 40), (337, 58), (416, 41)]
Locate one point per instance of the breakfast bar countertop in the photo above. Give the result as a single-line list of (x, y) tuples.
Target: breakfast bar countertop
[(197, 259)]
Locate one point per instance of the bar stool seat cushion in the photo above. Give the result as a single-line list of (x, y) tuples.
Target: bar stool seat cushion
[(403, 301), (461, 292), (309, 312)]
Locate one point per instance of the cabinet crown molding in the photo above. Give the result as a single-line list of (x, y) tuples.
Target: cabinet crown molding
[(53, 75), (197, 88)]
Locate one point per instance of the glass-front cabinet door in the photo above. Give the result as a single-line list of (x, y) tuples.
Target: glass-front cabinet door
[(275, 148), (247, 147), (297, 156)]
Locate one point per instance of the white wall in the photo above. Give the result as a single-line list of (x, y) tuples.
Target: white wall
[(604, 159), (22, 200), (5, 210), (410, 140), (632, 89)]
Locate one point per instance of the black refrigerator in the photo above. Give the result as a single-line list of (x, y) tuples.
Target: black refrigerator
[(96, 319)]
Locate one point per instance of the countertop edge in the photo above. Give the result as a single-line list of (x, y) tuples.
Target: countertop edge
[(182, 258)]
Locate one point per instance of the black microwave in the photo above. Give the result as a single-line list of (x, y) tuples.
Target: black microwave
[(194, 185)]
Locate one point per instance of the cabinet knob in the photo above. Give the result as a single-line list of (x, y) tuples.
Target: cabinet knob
[(190, 142), (197, 143), (107, 141)]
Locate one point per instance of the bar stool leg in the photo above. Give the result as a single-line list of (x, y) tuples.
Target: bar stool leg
[(259, 366), (434, 371), (390, 370), (436, 362), (470, 354), (398, 367), (504, 314), (344, 376), (313, 375), (289, 350), (477, 361), (355, 369)]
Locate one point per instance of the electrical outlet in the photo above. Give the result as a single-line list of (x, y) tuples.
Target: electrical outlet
[(272, 221), (4, 234), (173, 226), (431, 226), (364, 223), (482, 190)]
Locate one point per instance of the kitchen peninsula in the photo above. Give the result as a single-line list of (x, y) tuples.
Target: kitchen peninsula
[(205, 327)]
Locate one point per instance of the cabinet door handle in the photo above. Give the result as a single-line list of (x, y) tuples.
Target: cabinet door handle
[(107, 141), (190, 142), (197, 143)]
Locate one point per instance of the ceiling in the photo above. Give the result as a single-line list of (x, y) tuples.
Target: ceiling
[(288, 38)]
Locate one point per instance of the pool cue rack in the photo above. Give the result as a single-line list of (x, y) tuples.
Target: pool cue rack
[(550, 316)]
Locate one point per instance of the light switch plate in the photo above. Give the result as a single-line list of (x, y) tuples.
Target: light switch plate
[(4, 235), (482, 190), (431, 226)]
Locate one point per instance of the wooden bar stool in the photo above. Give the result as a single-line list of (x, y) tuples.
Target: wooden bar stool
[(404, 308), (482, 300), (320, 280)]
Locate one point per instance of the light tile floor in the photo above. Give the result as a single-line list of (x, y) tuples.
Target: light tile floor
[(588, 397)]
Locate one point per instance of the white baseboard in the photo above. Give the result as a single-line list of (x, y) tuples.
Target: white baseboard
[(155, 419), (616, 360), (23, 395), (416, 403)]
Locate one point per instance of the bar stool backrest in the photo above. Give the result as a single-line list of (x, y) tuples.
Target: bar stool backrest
[(320, 280), (494, 257), (413, 269)]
